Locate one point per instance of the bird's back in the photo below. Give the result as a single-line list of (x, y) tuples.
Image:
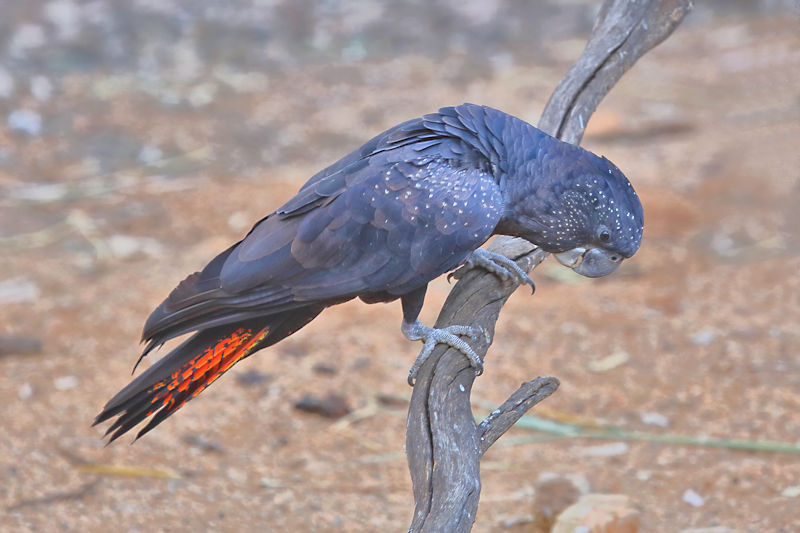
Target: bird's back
[(407, 206)]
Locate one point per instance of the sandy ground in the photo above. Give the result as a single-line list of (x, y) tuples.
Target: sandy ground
[(132, 182)]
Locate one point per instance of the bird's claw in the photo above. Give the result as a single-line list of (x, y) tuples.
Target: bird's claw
[(432, 337), (497, 264)]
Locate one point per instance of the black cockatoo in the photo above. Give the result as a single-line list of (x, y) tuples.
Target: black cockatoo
[(411, 204)]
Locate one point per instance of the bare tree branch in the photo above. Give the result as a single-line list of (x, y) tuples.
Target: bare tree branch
[(499, 421), (624, 31), (443, 444)]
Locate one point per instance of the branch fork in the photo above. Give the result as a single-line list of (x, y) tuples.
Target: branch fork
[(443, 444)]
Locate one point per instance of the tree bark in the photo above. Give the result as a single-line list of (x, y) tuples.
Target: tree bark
[(443, 444)]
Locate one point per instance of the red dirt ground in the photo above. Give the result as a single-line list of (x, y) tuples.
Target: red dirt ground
[(708, 312)]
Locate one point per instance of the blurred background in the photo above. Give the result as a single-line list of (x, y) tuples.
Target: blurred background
[(139, 138)]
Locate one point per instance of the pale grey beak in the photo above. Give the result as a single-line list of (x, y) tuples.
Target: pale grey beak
[(570, 258), (591, 262)]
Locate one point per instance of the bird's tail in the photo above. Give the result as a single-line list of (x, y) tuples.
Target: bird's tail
[(187, 370)]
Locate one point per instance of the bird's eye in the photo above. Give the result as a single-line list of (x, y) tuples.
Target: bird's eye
[(604, 236)]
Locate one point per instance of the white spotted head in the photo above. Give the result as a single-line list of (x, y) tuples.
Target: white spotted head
[(582, 209), (611, 220)]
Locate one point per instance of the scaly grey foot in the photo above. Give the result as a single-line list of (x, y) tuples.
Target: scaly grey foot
[(431, 336), (499, 265)]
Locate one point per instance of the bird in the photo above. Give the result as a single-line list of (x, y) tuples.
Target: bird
[(413, 203)]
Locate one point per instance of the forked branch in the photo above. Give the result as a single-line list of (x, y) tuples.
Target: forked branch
[(443, 443)]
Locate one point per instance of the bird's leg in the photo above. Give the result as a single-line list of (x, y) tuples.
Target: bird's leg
[(497, 264), (414, 330), (431, 336)]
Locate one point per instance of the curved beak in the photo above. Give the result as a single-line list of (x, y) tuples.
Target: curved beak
[(571, 258), (591, 262)]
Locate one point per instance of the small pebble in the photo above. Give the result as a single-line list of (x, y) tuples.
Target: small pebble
[(25, 121), (390, 400), (239, 221), (252, 377), (332, 406), (605, 450), (713, 529), (25, 391), (599, 513), (693, 499), (703, 337), (20, 345), (236, 475), (150, 154), (203, 444), (6, 84), (26, 37), (65, 383), (723, 245), (655, 419), (202, 95), (354, 51), (128, 508), (65, 15), (791, 492), (127, 246), (41, 88), (18, 290), (242, 82), (42, 192), (609, 362), (322, 368)]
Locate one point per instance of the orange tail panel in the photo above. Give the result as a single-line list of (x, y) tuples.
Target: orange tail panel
[(171, 392)]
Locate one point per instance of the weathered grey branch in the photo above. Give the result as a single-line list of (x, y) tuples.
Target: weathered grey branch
[(443, 443), (623, 32), (500, 420)]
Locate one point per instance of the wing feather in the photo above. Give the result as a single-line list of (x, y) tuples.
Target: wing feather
[(405, 208)]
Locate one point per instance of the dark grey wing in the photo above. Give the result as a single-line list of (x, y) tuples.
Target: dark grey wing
[(407, 206), (457, 134), (392, 230), (395, 227)]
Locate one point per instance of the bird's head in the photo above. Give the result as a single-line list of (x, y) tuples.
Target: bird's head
[(586, 213)]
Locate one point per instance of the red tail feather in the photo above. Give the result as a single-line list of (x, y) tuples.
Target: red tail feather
[(187, 370), (204, 369), (160, 391)]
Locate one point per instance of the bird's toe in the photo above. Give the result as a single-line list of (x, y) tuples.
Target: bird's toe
[(499, 265), (434, 336)]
